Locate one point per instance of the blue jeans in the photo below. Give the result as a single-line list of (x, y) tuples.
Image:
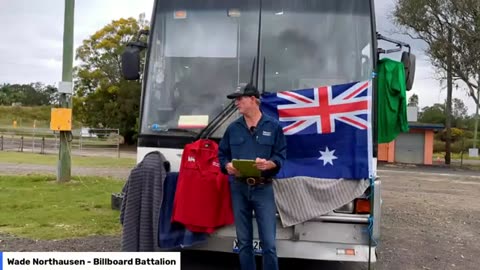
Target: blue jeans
[(260, 199)]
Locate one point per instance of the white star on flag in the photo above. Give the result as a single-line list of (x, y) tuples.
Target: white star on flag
[(327, 156)]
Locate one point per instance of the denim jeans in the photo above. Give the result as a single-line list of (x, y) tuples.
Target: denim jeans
[(260, 199)]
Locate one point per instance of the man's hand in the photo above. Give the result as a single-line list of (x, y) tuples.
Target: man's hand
[(231, 169), (264, 165)]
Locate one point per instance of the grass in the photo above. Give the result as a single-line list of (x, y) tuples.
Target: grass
[(77, 161), (37, 207), (25, 116)]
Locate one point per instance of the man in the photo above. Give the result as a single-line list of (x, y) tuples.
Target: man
[(258, 137)]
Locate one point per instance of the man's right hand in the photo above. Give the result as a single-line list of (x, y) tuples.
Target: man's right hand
[(231, 169)]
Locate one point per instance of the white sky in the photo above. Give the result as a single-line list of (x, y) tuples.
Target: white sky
[(32, 35)]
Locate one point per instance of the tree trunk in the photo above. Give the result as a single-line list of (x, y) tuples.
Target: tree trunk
[(448, 109)]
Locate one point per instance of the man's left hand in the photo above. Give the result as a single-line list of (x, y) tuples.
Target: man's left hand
[(264, 165)]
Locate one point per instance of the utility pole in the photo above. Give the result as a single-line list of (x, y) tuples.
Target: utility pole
[(64, 159), (475, 132), (448, 107)]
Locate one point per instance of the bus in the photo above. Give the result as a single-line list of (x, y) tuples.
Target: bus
[(198, 51)]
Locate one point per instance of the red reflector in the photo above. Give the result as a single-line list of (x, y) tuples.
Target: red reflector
[(362, 206)]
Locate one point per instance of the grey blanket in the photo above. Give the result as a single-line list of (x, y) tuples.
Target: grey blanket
[(142, 199), (300, 199)]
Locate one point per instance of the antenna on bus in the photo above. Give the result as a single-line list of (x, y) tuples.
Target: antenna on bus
[(258, 39), (253, 71), (263, 75)]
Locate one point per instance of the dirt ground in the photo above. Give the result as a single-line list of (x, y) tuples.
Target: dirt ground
[(430, 220)]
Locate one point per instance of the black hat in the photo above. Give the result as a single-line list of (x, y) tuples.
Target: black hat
[(249, 91)]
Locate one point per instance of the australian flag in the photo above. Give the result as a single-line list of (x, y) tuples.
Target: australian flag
[(328, 130)]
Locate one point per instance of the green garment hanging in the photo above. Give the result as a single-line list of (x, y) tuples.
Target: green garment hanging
[(391, 100)]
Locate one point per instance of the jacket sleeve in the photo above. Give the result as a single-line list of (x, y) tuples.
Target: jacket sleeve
[(279, 153), (224, 153)]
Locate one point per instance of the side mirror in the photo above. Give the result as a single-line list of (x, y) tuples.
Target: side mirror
[(408, 60), (131, 62), (131, 57)]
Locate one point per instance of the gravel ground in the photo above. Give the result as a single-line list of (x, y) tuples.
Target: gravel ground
[(430, 220)]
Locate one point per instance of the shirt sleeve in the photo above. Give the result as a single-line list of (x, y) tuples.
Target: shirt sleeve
[(224, 153), (279, 153)]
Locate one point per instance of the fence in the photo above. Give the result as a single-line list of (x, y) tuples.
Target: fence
[(99, 142)]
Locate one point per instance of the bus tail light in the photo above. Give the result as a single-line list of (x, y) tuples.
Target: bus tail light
[(362, 206)]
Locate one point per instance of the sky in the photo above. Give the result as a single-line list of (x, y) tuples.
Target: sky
[(32, 36)]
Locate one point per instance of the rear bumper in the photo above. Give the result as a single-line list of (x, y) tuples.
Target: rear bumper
[(322, 238), (300, 249)]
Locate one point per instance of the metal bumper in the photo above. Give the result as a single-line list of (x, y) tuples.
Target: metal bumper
[(301, 249)]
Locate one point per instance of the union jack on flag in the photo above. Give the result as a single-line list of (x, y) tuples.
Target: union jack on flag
[(328, 129), (322, 107)]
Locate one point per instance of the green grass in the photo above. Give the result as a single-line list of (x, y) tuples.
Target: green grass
[(25, 116), (77, 161), (38, 207)]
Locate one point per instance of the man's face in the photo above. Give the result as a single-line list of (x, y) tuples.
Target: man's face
[(245, 104)]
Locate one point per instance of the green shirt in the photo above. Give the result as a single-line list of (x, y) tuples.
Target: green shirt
[(391, 100)]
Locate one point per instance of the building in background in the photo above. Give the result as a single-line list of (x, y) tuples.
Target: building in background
[(414, 147)]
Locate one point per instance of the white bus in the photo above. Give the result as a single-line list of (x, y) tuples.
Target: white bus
[(198, 51)]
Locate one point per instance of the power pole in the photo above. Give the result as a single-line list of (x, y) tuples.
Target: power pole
[(448, 107), (64, 159), (476, 114)]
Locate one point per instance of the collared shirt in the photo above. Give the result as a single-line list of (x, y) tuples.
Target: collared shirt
[(266, 141)]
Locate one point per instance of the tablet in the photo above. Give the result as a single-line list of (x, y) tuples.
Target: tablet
[(246, 167)]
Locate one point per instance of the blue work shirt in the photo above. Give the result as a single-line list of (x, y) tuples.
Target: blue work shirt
[(266, 141)]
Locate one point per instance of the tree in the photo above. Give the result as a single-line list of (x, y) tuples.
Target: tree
[(433, 115), (459, 113), (34, 94), (102, 97), (431, 20), (436, 114), (413, 100)]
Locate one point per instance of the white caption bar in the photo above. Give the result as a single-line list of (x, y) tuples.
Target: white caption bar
[(90, 260)]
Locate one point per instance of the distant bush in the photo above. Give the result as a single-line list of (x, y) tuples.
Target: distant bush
[(456, 147)]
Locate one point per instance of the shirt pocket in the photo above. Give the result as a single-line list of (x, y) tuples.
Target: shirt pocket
[(266, 144), (237, 144), (237, 140)]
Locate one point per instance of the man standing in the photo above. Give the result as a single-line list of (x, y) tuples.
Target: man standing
[(258, 137)]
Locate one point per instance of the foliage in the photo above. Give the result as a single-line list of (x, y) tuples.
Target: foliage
[(413, 100), (456, 133), (432, 20), (435, 114), (102, 97), (33, 94)]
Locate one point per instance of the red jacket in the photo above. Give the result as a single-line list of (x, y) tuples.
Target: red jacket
[(202, 200)]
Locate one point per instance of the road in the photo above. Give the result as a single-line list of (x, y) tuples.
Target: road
[(431, 220)]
